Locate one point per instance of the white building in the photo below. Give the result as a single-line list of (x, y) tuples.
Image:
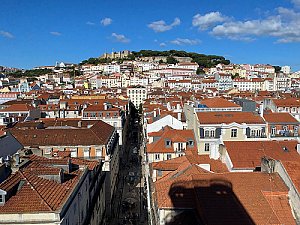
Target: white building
[(137, 94)]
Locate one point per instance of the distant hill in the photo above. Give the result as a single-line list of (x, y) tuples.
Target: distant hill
[(204, 61)]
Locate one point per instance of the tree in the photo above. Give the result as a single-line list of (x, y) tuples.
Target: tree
[(236, 75), (171, 60), (200, 71), (277, 69)]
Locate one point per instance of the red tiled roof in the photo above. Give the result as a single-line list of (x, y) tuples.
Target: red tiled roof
[(189, 187), (192, 159), (229, 117), (248, 154), (280, 118), (18, 108), (98, 134), (36, 194), (293, 168), (290, 102), (219, 103), (174, 136)]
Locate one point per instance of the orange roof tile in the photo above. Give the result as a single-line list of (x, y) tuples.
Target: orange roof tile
[(248, 154), (218, 103), (192, 188), (174, 136), (229, 117), (280, 118)]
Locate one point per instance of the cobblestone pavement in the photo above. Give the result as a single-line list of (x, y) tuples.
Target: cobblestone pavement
[(130, 202)]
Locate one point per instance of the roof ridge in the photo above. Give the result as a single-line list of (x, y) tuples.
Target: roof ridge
[(271, 206), (95, 133), (31, 185)]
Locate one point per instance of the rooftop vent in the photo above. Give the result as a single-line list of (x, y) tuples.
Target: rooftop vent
[(285, 149)]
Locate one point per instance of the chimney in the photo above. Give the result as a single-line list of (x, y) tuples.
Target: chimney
[(261, 110), (298, 148), (105, 106), (179, 116), (17, 158), (79, 123)]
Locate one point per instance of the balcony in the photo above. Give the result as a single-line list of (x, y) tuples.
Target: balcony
[(179, 150), (284, 134)]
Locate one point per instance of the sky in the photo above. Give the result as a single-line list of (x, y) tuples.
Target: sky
[(41, 32)]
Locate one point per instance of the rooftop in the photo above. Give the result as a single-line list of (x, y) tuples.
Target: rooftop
[(229, 117)]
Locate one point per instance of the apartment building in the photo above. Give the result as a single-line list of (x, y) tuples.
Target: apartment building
[(137, 94)]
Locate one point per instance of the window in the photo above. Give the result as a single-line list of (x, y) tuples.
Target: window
[(209, 133), (99, 152), (233, 132), (73, 152), (1, 199), (206, 133), (168, 143), (273, 131), (47, 151), (159, 173), (86, 153), (157, 156), (206, 147), (253, 133), (93, 114), (169, 156), (115, 124), (180, 146), (191, 143)]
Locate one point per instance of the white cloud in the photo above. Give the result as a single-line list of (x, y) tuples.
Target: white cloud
[(106, 21), (162, 26), (55, 33), (208, 20), (284, 25), (162, 44), (90, 23), (185, 41), (6, 34), (120, 38)]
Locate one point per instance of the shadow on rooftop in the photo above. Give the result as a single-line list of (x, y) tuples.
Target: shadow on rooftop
[(207, 202)]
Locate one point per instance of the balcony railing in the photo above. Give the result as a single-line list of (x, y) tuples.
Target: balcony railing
[(285, 134)]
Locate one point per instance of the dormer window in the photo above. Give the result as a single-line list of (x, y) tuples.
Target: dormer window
[(168, 143), (2, 197), (191, 143)]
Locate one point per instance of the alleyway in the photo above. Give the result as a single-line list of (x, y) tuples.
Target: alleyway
[(130, 202)]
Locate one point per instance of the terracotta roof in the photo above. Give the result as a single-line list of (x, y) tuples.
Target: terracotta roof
[(191, 188), (18, 108), (293, 168), (248, 154), (30, 193), (229, 117), (290, 102), (98, 134), (280, 118), (218, 103), (174, 136), (192, 159)]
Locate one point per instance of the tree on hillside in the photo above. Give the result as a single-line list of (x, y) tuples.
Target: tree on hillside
[(171, 60), (277, 69)]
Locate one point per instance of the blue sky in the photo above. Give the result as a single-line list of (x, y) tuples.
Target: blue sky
[(41, 32)]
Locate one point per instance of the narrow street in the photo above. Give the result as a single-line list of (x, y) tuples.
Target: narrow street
[(130, 202)]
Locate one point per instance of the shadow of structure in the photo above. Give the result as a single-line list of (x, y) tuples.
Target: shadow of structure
[(209, 202)]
